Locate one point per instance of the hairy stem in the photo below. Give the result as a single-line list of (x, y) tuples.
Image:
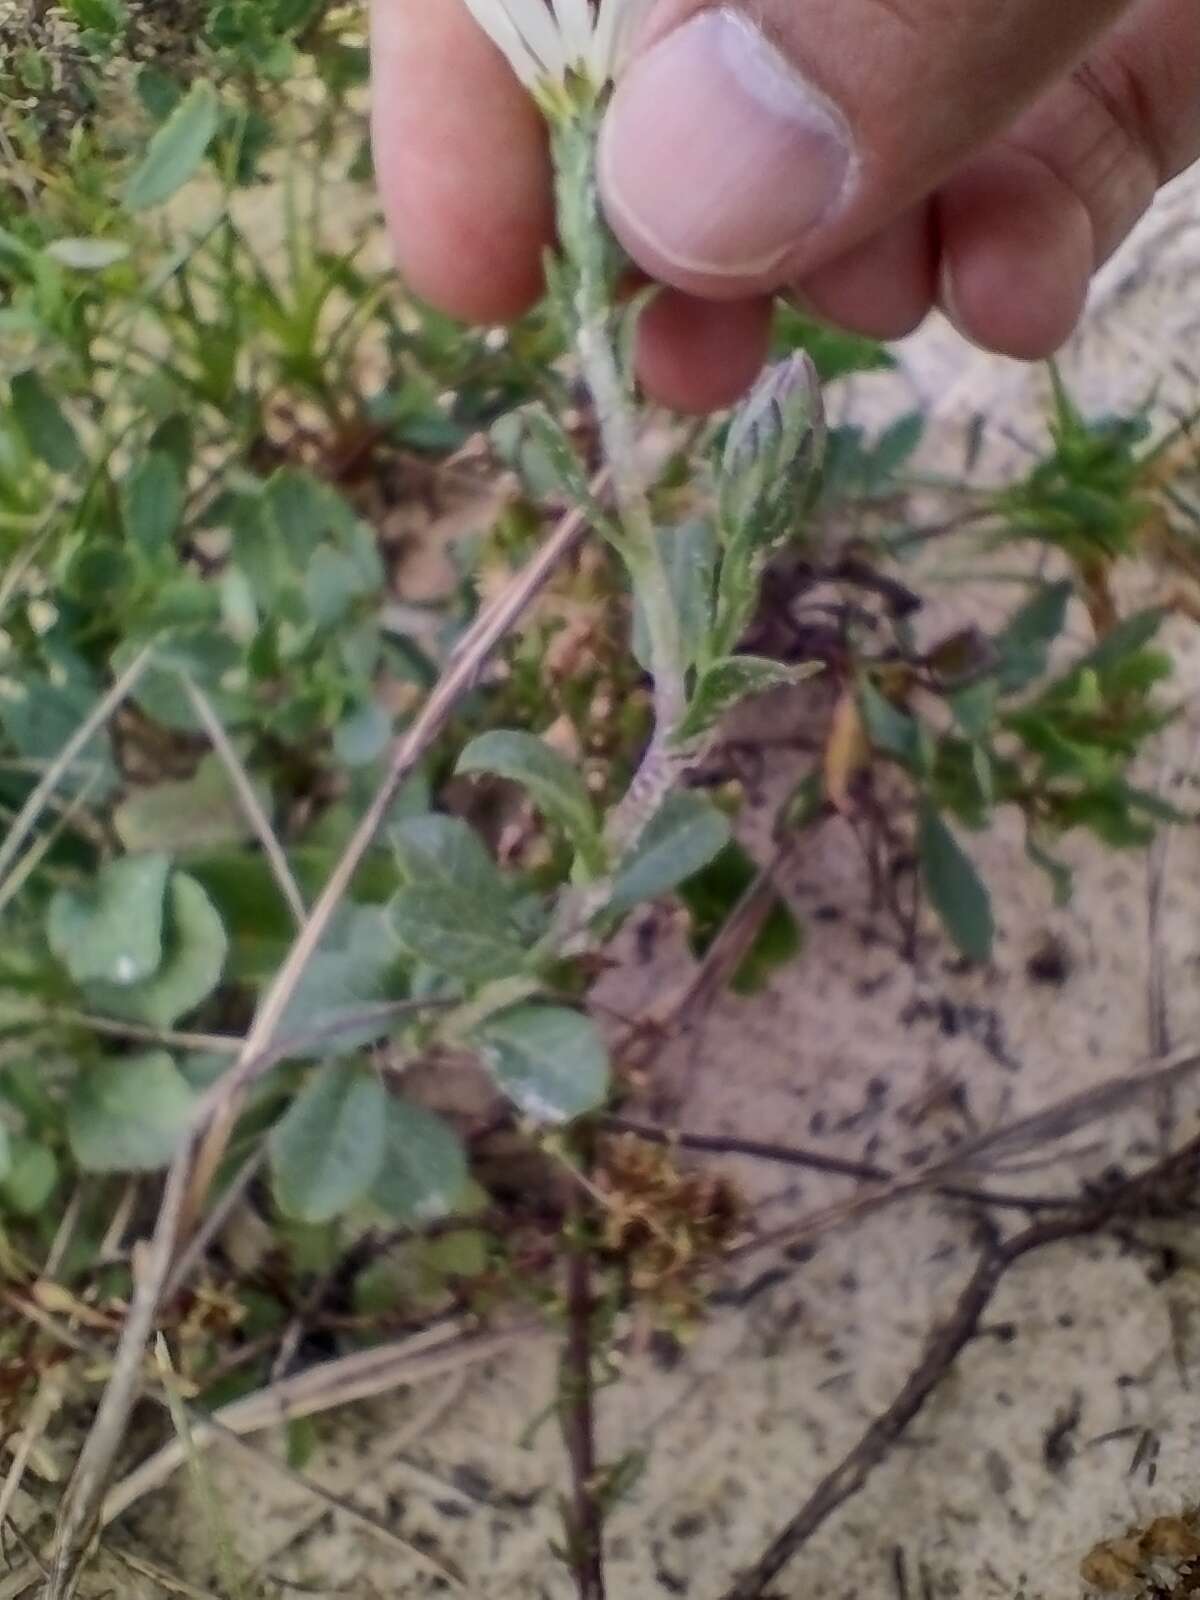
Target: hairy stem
[(591, 283)]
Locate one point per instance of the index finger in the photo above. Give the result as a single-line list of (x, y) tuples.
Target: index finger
[(461, 159)]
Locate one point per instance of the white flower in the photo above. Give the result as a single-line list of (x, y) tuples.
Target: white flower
[(547, 41)]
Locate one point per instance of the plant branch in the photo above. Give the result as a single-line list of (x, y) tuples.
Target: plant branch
[(942, 1351), (585, 1523)]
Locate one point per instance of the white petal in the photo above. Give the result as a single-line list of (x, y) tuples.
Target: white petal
[(492, 16), (603, 34), (575, 25), (627, 19), (536, 25)]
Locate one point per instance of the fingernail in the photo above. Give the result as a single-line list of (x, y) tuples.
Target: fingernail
[(717, 156)]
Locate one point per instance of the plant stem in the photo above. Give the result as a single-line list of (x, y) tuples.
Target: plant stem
[(587, 250)]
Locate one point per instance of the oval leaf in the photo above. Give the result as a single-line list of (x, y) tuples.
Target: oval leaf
[(685, 836), (152, 502), (726, 683), (176, 150), (551, 1062), (112, 932), (198, 813), (31, 1177), (194, 951), (435, 852), (554, 784), (424, 1170), (457, 934), (44, 424), (955, 889), (129, 1115), (327, 1150)]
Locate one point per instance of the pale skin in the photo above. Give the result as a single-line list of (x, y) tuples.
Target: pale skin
[(981, 156)]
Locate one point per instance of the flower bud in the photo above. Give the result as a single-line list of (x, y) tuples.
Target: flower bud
[(773, 456)]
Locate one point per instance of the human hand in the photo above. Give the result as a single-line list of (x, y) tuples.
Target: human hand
[(874, 158)]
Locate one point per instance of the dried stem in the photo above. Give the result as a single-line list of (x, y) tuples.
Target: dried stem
[(247, 795), (585, 1521), (943, 1350)]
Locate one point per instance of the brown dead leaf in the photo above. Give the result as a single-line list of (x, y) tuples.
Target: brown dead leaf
[(847, 752)]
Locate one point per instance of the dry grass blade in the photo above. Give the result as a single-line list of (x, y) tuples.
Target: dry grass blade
[(247, 797), (228, 1564), (1076, 1111), (37, 853), (361, 1376), (165, 1580), (81, 1507), (27, 818), (46, 1402), (380, 1464)]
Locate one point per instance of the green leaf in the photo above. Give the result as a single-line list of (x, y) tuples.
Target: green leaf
[(106, 18), (358, 964), (889, 729), (555, 785), (689, 554), (954, 888), (152, 502), (40, 717), (683, 838), (31, 1177), (87, 255), (44, 424), (128, 1115), (197, 813), (423, 1175), (6, 1152), (835, 354), (727, 683), (177, 149), (1126, 639), (436, 851), (363, 735), (454, 932), (333, 584), (1024, 645), (113, 931), (551, 1062), (327, 1149), (194, 952)]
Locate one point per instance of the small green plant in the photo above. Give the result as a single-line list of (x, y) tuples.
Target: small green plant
[(277, 835)]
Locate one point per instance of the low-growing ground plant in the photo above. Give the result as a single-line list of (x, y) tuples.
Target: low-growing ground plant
[(277, 834)]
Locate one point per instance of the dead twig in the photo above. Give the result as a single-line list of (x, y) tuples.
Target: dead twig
[(817, 1161), (247, 795), (585, 1521), (942, 1351)]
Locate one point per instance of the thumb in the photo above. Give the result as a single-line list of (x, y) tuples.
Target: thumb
[(745, 147)]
